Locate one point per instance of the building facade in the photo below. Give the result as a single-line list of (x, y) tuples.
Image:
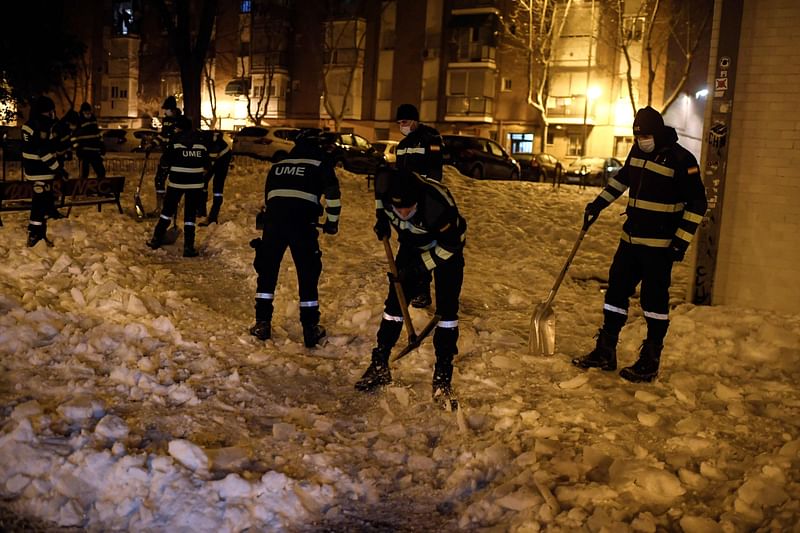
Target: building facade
[(348, 65)]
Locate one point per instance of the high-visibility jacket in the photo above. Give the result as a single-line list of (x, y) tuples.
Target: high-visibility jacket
[(86, 139), (39, 148), (187, 161), (666, 196), (437, 229), (421, 152), (296, 185)]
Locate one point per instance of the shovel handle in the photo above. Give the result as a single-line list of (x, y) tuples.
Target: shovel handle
[(588, 220), (398, 289)]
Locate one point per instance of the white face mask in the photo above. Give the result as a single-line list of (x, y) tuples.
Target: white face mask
[(647, 145), (405, 130), (410, 214), (168, 112)]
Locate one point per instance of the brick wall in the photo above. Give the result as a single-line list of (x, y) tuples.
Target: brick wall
[(759, 255)]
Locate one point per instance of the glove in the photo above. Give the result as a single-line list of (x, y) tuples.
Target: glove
[(411, 272), (594, 207), (382, 228), (330, 227), (677, 252)]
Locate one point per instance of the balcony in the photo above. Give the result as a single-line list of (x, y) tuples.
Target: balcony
[(470, 53), (469, 109), (568, 110), (344, 56)]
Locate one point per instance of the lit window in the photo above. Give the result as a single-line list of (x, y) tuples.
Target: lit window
[(245, 6)]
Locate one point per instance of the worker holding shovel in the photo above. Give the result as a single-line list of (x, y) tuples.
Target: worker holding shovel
[(431, 233), (666, 203)]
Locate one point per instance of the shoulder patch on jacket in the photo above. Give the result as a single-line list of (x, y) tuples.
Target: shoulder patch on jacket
[(693, 170), (435, 148)]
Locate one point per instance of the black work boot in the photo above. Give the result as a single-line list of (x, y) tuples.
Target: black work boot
[(441, 388), (645, 369), (261, 330), (312, 335), (604, 355), (378, 374)]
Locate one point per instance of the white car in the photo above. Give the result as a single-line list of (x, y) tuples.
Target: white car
[(388, 149), (273, 143)]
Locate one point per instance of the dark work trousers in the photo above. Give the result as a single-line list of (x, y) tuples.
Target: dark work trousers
[(302, 240), (652, 267), (161, 176), (42, 203), (219, 172), (95, 160), (448, 278), (170, 209)]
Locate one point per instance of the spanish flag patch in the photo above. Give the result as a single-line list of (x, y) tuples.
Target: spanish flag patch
[(435, 148), (693, 170)]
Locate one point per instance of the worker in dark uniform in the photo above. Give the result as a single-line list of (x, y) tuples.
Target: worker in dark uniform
[(169, 116), (420, 151), (221, 155), (40, 166), (293, 193), (88, 143), (432, 235), (64, 133), (187, 162), (666, 203)]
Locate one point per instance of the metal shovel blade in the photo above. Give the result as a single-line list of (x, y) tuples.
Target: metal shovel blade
[(542, 339), (413, 343), (137, 205)]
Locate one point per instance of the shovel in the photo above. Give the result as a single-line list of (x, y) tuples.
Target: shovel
[(137, 198), (542, 338), (414, 340)]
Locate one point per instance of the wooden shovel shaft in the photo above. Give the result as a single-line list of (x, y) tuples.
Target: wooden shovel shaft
[(398, 289)]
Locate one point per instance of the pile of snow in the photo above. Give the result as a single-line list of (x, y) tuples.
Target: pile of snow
[(133, 398)]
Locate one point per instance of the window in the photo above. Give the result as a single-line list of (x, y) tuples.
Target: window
[(495, 150), (574, 145), (622, 145), (633, 28), (114, 91), (521, 143), (245, 6), (551, 137), (506, 86), (124, 22)]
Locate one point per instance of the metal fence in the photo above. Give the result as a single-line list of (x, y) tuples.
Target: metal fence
[(116, 164)]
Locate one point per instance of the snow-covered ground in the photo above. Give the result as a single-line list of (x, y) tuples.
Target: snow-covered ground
[(133, 399)]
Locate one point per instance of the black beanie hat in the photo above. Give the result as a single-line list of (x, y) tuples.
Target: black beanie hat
[(86, 107), (407, 112), (170, 103), (404, 188), (648, 121)]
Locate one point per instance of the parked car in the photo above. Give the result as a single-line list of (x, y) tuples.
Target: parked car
[(146, 138), (119, 140), (353, 152), (479, 158), (388, 149), (273, 143), (539, 167), (592, 170)]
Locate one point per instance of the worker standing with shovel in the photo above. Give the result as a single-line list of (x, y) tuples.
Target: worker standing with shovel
[(432, 234)]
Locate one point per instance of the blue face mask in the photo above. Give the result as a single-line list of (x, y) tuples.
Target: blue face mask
[(647, 145)]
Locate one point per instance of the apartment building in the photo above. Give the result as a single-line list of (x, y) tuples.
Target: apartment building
[(299, 62)]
